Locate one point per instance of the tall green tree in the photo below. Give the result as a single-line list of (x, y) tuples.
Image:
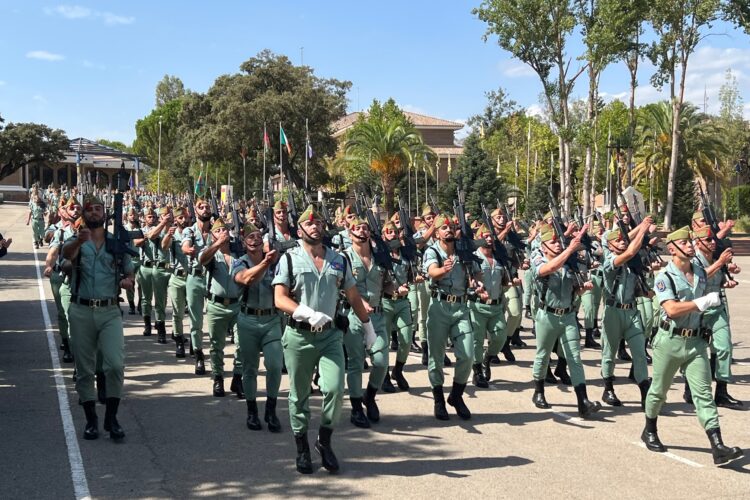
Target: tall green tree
[(158, 141), (168, 89), (23, 144)]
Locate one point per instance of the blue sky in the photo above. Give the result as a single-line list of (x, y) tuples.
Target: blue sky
[(90, 68)]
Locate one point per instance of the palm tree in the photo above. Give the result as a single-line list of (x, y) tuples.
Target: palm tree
[(388, 147)]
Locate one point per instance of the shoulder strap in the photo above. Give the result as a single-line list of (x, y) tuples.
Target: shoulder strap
[(288, 258), (246, 288), (346, 261)]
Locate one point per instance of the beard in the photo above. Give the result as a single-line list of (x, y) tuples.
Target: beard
[(94, 224), (204, 218), (360, 239), (450, 239)]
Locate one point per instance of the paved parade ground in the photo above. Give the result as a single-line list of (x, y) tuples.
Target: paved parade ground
[(183, 442)]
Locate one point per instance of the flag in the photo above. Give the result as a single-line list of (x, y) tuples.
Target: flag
[(266, 140), (284, 140), (131, 181), (613, 163), (497, 172), (309, 149), (518, 172), (199, 184)]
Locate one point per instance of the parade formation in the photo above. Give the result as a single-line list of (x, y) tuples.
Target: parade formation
[(325, 300)]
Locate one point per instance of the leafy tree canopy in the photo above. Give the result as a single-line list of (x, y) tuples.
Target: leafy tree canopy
[(25, 143)]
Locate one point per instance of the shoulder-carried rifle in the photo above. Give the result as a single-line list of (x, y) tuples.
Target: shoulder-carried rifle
[(721, 244), (573, 264)]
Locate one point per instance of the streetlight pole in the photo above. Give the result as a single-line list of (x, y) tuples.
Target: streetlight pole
[(158, 168)]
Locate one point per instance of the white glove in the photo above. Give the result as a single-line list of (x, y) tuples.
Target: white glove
[(370, 336), (303, 313), (319, 319), (708, 301)]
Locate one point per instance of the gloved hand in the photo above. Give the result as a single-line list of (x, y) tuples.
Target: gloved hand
[(319, 319), (707, 301), (302, 313), (369, 336)]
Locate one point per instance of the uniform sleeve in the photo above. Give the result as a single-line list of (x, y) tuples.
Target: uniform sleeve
[(238, 265), (663, 288), (419, 237), (282, 272), (608, 266), (349, 280), (127, 266), (536, 263), (187, 233), (430, 258)]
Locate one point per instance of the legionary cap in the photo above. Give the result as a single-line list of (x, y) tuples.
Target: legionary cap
[(218, 224), (681, 234), (250, 228), (309, 214)]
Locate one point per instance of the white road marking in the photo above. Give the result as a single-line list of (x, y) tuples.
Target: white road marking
[(77, 472), (670, 455)]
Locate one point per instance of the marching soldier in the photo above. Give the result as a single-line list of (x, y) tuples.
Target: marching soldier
[(307, 285), (95, 287), (37, 209), (279, 225), (172, 243), (591, 299), (159, 267), (137, 240), (555, 318), (259, 327), (682, 342)]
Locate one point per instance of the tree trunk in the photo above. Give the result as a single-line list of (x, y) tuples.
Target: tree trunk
[(674, 157), (591, 113)]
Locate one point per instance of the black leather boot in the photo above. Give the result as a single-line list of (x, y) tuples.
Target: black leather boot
[(219, 386), (323, 446), (425, 353), (585, 407), (723, 399), (687, 395), (515, 340), (110, 420), (398, 376), (561, 371), (456, 400), (631, 373), (236, 386), (507, 352), (597, 332), (101, 387), (722, 453), (441, 412), (650, 438), (478, 379), (190, 346), (394, 341), (161, 332), (91, 431), (590, 342), (486, 367), (131, 306), (147, 322), (527, 313), (550, 378), (304, 462), (230, 336), (180, 350), (644, 386), (649, 359), (447, 361), (200, 362), (538, 398), (253, 422), (274, 425), (609, 395), (67, 356), (387, 385), (373, 412), (358, 417), (622, 353), (712, 364)]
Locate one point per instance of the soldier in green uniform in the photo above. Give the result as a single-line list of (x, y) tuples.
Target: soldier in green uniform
[(172, 243), (682, 342), (308, 281), (280, 227), (372, 283), (159, 268), (194, 240), (424, 238), (94, 310), (37, 209), (137, 240), (145, 270), (259, 327), (448, 316), (622, 319), (591, 299), (717, 319), (222, 294), (555, 317)]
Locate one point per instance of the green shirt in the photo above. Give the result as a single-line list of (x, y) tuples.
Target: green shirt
[(493, 276), (713, 284), (219, 280), (194, 235), (454, 282), (619, 282), (370, 282), (177, 259), (152, 247), (259, 295), (559, 293), (682, 291), (318, 290), (98, 277)]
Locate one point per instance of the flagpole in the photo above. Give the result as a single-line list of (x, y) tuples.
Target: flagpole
[(408, 184), (281, 162), (416, 189), (244, 174), (265, 148), (307, 150), (528, 160)]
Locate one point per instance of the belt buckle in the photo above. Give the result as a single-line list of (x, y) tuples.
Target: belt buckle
[(488, 302), (559, 311), (627, 307), (686, 332), (94, 303), (225, 301), (451, 298), (316, 329)]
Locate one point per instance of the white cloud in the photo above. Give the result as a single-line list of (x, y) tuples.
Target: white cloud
[(516, 69), (43, 55), (79, 12), (39, 99), (612, 97), (535, 110)]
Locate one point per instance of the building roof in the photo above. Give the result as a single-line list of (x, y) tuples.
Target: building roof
[(88, 152), (88, 147), (448, 151), (419, 121)]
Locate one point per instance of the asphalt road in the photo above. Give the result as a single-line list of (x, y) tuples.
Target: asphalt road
[(182, 442)]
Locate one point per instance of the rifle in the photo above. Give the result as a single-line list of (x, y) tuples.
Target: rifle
[(434, 205), (518, 254), (119, 246), (409, 249), (572, 263), (381, 253), (214, 205), (635, 264), (710, 218), (235, 245), (274, 243), (499, 252)]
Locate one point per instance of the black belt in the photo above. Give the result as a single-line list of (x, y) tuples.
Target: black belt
[(216, 299), (557, 311), (159, 265), (617, 305), (375, 309), (197, 272), (256, 312), (394, 296), (491, 302), (685, 332), (93, 303), (449, 298), (180, 272), (304, 325)]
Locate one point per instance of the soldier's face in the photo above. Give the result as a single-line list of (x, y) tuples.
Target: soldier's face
[(73, 212), (617, 246), (446, 233), (389, 234), (681, 249), (150, 219), (397, 222), (552, 247), (349, 218), (253, 241), (361, 232), (487, 238), (699, 223), (707, 245), (429, 219), (180, 220), (280, 215), (311, 231), (93, 214)]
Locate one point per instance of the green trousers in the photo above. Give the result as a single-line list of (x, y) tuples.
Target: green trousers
[(397, 313), (145, 283), (449, 320), (195, 288), (98, 329), (590, 301), (646, 310), (423, 301), (488, 321), (672, 353), (721, 341), (178, 297), (513, 310), (160, 282), (623, 324), (260, 334), (37, 227), (56, 283), (355, 354), (528, 288), (130, 292), (550, 328), (303, 351), (220, 319)]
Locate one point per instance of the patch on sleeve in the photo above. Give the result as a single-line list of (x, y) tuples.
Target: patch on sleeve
[(538, 261), (660, 286), (337, 265), (237, 263)]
